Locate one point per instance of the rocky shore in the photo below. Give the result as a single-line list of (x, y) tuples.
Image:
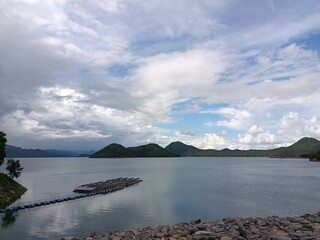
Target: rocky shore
[(305, 227)]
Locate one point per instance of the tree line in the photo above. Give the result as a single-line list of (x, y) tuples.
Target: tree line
[(13, 167)]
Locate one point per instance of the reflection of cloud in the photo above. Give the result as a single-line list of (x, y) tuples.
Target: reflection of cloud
[(132, 207), (58, 219), (173, 190)]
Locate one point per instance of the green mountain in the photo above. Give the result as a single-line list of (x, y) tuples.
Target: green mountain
[(113, 151), (151, 150), (185, 150), (315, 157), (305, 147), (118, 151), (182, 149), (302, 148)]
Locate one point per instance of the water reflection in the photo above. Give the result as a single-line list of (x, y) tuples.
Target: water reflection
[(9, 219), (173, 190)]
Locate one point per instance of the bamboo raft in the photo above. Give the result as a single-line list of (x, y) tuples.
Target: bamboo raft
[(83, 191), (106, 185)]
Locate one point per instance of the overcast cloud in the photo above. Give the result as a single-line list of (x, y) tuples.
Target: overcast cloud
[(215, 74)]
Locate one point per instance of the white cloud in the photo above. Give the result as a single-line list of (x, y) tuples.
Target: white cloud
[(213, 141), (167, 79), (185, 72), (110, 5), (56, 82), (205, 141), (63, 113), (254, 129), (258, 140), (236, 118), (296, 126)]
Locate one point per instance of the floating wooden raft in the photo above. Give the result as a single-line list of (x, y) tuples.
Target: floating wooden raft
[(86, 190), (107, 185)]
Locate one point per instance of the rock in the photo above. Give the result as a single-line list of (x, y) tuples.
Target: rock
[(148, 234), (201, 235), (197, 221), (201, 226), (70, 238), (131, 237), (234, 233), (279, 237), (225, 238), (254, 230), (305, 227), (202, 232), (261, 223), (307, 238), (120, 234), (182, 238), (179, 233), (243, 232), (278, 234)]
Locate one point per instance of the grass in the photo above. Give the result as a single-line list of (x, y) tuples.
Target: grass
[(10, 190)]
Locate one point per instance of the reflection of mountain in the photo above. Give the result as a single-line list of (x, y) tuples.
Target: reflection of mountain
[(17, 152)]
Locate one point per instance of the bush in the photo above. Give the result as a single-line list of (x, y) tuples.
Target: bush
[(14, 168)]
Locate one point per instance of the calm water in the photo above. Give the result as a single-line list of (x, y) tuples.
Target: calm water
[(173, 190)]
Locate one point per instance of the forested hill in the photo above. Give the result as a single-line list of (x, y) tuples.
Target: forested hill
[(304, 147), (118, 151)]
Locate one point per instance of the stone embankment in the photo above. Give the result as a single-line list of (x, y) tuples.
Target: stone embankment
[(304, 227)]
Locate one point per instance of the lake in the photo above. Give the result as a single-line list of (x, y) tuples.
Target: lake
[(173, 190)]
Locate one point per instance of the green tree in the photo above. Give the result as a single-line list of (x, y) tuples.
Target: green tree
[(14, 168), (3, 142)]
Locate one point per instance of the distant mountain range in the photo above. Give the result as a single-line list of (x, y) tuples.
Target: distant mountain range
[(17, 152), (303, 148)]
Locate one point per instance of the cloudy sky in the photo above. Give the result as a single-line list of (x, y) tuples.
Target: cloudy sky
[(80, 75)]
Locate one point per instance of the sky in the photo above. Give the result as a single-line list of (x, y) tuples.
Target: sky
[(238, 74)]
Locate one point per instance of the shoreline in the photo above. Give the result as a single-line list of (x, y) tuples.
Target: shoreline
[(304, 227)]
